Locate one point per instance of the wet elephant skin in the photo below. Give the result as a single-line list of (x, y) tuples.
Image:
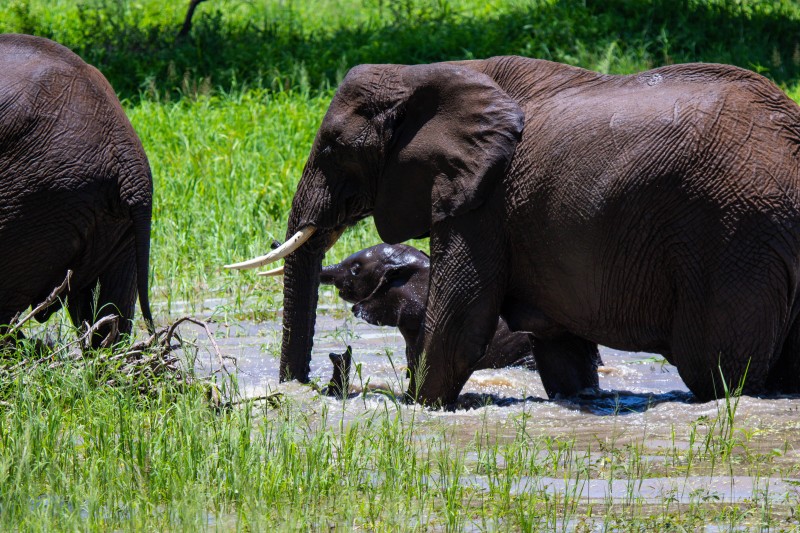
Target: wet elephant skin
[(75, 188)]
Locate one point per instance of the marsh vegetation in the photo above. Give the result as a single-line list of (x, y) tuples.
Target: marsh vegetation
[(227, 117)]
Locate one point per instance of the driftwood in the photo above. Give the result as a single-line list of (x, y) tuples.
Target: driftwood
[(144, 360), (17, 322)]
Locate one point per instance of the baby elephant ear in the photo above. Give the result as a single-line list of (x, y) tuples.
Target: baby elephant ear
[(453, 139)]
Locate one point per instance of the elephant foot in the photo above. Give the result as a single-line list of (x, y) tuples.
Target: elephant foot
[(339, 384)]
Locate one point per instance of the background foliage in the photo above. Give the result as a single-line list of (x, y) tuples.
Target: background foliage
[(296, 45)]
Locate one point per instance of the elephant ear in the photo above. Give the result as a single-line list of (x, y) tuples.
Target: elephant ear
[(452, 141), (379, 308)]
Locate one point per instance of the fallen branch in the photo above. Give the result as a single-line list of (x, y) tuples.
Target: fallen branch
[(16, 323), (85, 340), (210, 335), (273, 400), (146, 360)]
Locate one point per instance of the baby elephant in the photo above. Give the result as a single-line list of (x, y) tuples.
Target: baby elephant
[(389, 286)]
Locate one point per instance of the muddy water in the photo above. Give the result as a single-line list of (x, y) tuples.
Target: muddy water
[(643, 403)]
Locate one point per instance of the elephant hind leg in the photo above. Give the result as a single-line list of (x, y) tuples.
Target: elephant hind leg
[(82, 310), (726, 343), (116, 296), (784, 375), (566, 365)]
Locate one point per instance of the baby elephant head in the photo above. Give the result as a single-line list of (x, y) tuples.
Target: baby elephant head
[(387, 283)]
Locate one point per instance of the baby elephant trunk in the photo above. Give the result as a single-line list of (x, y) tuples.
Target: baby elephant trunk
[(330, 274)]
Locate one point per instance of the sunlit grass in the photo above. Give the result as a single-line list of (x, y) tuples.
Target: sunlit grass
[(225, 170), (78, 455)]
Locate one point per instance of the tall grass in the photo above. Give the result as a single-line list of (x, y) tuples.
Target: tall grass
[(78, 456), (224, 169)]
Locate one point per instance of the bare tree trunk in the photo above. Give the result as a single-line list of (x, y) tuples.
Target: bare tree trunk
[(187, 22)]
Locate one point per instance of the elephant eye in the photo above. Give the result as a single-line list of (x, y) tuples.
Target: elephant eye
[(355, 269)]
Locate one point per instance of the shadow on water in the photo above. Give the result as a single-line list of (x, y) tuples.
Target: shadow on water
[(275, 47), (622, 402), (601, 403)]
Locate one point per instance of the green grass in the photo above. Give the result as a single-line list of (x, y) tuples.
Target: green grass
[(76, 455), (227, 118), (224, 167)]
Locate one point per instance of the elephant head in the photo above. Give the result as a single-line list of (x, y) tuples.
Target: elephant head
[(410, 145)]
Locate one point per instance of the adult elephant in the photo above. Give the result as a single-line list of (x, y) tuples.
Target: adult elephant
[(656, 212), (75, 188)]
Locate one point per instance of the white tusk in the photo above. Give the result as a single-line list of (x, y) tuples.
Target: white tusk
[(274, 272), (291, 244)]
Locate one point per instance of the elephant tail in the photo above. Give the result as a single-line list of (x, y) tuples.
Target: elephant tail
[(141, 215)]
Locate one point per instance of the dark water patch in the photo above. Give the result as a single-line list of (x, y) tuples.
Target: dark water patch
[(601, 403)]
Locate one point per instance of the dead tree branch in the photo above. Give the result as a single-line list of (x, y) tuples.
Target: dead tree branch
[(144, 360), (16, 323)]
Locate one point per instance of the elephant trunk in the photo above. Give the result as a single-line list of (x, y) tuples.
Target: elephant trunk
[(300, 295)]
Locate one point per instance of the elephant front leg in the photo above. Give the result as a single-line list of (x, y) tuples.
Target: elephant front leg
[(466, 285), (566, 365)]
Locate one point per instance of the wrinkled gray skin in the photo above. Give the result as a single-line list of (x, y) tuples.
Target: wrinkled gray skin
[(75, 187), (388, 283), (654, 212)]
